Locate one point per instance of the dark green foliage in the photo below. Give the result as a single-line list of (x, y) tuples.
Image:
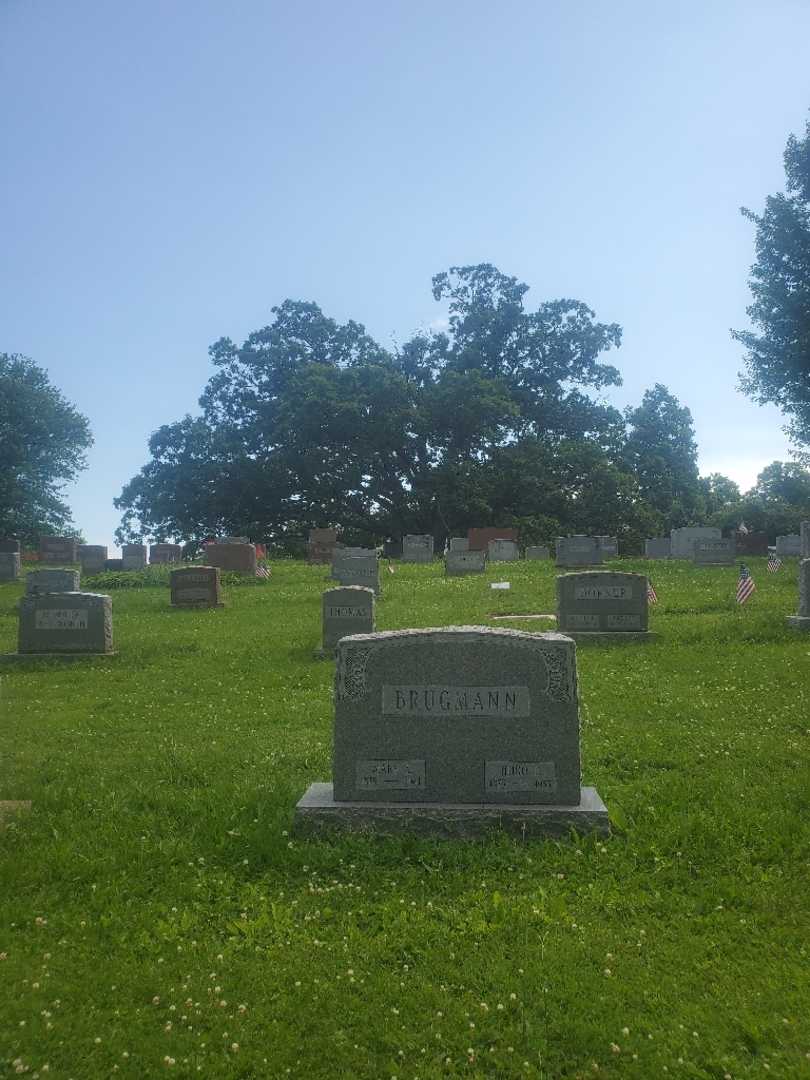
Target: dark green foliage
[(43, 440)]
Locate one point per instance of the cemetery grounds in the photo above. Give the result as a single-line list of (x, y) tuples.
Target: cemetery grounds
[(158, 916)]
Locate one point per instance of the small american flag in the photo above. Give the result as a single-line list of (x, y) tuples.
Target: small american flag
[(390, 569), (774, 564), (262, 570), (745, 585), (651, 597)]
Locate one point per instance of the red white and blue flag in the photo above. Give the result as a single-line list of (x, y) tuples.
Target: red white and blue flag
[(262, 571), (651, 597), (745, 584), (774, 564)]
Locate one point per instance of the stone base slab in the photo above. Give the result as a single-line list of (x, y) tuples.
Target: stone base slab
[(15, 656), (610, 635), (317, 812), (798, 622)]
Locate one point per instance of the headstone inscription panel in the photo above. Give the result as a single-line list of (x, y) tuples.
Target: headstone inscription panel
[(66, 623), (9, 565), (196, 586), (93, 558), (40, 582), (503, 551), (58, 549), (682, 541), (417, 548), (133, 556), (346, 610), (714, 552), (238, 558), (789, 545), (360, 570), (537, 552), (451, 730), (578, 551), (802, 620), (162, 554), (658, 547), (600, 602), (457, 563)]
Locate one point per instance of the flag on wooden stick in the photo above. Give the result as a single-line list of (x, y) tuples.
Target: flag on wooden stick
[(745, 584)]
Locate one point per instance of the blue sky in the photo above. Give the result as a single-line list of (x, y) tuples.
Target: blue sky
[(173, 170)]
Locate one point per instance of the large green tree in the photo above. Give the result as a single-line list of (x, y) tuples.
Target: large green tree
[(43, 440), (311, 422), (777, 358)]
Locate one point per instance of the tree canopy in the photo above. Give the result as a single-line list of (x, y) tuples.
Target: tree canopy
[(495, 420), (43, 441), (777, 358)]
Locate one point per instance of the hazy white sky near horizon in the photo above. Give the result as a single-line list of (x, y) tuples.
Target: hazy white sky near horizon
[(174, 170)]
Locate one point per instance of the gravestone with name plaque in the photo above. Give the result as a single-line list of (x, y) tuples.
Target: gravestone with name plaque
[(503, 551), (682, 541), (802, 620), (722, 552), (458, 563), (452, 731), (58, 549), (40, 582), (537, 552), (417, 548), (66, 624), (658, 547), (92, 558), (578, 550), (346, 610), (342, 553), (600, 604), (196, 587)]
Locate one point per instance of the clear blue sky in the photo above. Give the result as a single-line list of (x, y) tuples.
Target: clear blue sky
[(173, 169)]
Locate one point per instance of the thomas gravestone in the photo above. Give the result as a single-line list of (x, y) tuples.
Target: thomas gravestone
[(346, 610)]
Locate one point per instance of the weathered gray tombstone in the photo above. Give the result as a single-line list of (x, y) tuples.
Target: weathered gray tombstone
[(238, 558), (609, 546), (578, 550), (457, 563), (341, 553), (804, 535), (503, 551), (163, 554), (603, 604), (58, 549), (68, 623), (802, 620), (10, 546), (320, 545), (360, 570), (417, 548), (722, 552), (196, 586), (452, 731), (133, 556), (9, 566), (458, 543), (537, 552), (40, 582), (346, 610), (658, 547), (92, 558), (682, 541), (789, 545)]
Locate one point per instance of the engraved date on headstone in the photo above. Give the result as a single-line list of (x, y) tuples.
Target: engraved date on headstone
[(520, 776), (623, 622), (390, 774), (581, 622)]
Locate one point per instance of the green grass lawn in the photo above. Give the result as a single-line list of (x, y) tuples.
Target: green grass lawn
[(156, 915)]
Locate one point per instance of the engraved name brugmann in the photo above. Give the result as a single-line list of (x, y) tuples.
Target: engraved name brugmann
[(442, 700)]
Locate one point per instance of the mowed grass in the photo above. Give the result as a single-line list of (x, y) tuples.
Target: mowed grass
[(157, 916)]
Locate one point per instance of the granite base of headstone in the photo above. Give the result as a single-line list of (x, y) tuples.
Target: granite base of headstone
[(134, 556), (658, 547), (722, 552), (346, 610), (66, 624), (9, 566), (417, 548), (578, 550), (196, 587), (40, 582), (789, 546), (164, 554), (682, 541), (237, 558), (537, 553), (455, 732), (601, 605), (458, 563), (503, 551), (92, 558), (58, 549), (802, 620)]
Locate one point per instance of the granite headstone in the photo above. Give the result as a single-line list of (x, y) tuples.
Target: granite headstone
[(658, 547), (360, 570), (789, 545), (503, 551), (40, 582), (458, 563), (9, 565), (346, 610), (578, 550), (58, 549), (236, 557), (537, 552), (320, 545), (683, 540), (602, 604), (133, 556), (417, 548), (66, 623), (163, 554), (722, 552), (93, 558), (479, 538), (196, 586)]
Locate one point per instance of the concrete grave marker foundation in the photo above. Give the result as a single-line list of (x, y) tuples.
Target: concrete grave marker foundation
[(601, 604), (452, 731), (196, 587)]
